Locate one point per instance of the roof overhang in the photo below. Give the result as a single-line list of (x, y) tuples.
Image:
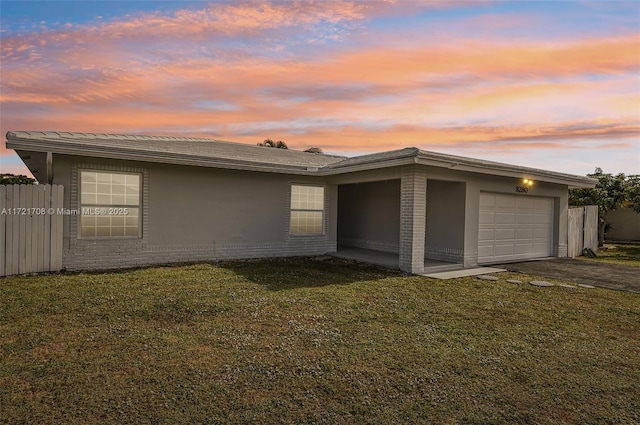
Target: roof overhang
[(473, 165), (34, 151), (86, 149)]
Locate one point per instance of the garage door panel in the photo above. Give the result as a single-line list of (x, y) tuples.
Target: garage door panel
[(525, 218), (504, 234), (487, 201), (526, 203), (487, 218), (524, 233), (541, 233), (542, 204), (486, 251), (505, 249), (541, 248), (505, 218), (524, 249), (486, 235), (542, 219), (514, 227), (504, 202)]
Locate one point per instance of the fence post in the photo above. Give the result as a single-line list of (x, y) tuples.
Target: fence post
[(591, 227)]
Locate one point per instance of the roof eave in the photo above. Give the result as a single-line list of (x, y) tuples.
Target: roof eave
[(157, 157), (326, 171), (506, 170)]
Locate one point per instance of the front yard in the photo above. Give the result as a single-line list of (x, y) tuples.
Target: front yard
[(303, 341), (625, 254)]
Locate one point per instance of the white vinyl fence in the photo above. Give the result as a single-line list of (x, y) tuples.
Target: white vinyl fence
[(583, 230), (30, 228)]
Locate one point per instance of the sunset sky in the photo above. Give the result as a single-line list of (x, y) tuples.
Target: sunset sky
[(546, 84)]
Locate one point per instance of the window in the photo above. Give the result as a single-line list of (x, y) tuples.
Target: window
[(109, 204), (307, 209)]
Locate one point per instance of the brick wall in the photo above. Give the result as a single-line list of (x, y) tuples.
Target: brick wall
[(413, 201), (451, 255)]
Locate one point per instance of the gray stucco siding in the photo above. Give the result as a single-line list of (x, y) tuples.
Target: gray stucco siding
[(445, 225), (195, 214), (196, 206)]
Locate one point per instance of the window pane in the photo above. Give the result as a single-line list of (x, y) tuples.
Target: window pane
[(307, 209), (88, 177), (103, 231), (88, 198), (103, 177), (106, 190), (118, 179), (88, 231), (88, 221), (118, 189), (309, 222), (132, 200), (103, 199), (117, 231), (307, 197), (131, 231), (103, 221)]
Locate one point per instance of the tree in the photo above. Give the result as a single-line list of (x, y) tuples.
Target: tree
[(7, 178), (633, 192), (611, 192), (271, 144), (314, 150)]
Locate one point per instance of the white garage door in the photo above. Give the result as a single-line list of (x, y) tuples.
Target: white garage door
[(514, 227)]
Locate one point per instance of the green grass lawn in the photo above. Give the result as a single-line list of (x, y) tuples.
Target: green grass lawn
[(618, 254), (302, 341)]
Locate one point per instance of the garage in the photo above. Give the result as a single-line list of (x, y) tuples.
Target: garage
[(513, 227)]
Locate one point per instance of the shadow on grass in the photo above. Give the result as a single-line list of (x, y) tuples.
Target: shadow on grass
[(304, 272)]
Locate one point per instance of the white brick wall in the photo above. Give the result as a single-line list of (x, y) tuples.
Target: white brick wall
[(413, 202), (450, 255), (384, 246)]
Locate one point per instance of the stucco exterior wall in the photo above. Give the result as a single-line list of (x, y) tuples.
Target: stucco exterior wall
[(445, 221), (195, 214), (625, 225), (203, 214), (369, 215)]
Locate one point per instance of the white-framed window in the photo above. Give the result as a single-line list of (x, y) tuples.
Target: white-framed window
[(307, 210), (109, 204)]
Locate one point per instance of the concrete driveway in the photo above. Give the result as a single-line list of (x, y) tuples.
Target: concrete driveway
[(604, 275)]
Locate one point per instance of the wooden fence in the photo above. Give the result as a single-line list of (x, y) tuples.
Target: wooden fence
[(583, 230), (30, 228)]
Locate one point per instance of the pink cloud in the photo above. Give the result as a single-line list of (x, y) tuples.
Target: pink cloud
[(173, 74)]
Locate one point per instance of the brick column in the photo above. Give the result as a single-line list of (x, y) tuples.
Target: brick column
[(413, 210)]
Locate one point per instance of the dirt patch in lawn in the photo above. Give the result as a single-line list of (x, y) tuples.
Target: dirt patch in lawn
[(605, 275)]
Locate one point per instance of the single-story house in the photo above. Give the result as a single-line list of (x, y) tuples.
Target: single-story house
[(153, 200)]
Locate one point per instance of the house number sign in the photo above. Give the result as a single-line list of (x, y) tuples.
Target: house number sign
[(521, 189)]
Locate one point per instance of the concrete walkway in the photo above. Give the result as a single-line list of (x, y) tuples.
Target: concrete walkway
[(464, 273)]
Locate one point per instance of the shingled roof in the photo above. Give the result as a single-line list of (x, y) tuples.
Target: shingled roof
[(166, 149), (221, 154)]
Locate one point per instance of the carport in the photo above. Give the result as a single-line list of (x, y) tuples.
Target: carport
[(369, 215)]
